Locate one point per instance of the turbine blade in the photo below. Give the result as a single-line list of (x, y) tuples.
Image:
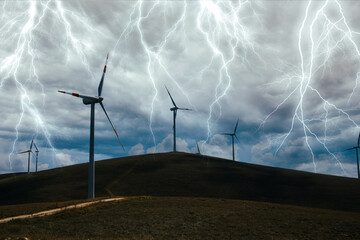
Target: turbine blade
[(197, 145), (24, 152), (102, 78), (36, 147), (236, 126), (32, 141), (188, 109), (117, 135), (73, 94), (359, 140), (229, 134), (90, 98), (350, 148), (237, 138), (171, 97)]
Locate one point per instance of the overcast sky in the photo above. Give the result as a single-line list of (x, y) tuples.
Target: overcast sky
[(288, 70)]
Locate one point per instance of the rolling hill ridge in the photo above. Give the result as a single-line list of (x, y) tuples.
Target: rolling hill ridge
[(185, 175)]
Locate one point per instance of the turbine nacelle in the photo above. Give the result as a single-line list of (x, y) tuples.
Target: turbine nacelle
[(90, 100)]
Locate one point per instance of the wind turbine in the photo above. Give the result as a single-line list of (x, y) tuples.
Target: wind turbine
[(357, 154), (28, 151), (197, 146), (174, 109), (232, 138), (37, 157), (92, 100)]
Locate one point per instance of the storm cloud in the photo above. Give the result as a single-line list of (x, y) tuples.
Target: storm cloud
[(291, 81)]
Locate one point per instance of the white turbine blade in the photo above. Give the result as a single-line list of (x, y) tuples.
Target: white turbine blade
[(102, 78), (117, 135), (73, 94), (171, 97), (236, 126), (79, 96)]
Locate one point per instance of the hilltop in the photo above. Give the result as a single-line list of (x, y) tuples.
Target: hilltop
[(184, 175)]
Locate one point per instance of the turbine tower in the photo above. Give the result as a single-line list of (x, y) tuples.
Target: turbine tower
[(37, 157), (28, 151), (357, 154), (92, 100), (232, 138), (174, 110)]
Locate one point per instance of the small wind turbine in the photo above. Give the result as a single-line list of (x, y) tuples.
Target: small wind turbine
[(174, 109), (197, 146), (357, 154), (37, 157), (92, 100), (28, 151), (232, 138)]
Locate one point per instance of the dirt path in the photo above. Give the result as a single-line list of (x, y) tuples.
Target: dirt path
[(56, 210)]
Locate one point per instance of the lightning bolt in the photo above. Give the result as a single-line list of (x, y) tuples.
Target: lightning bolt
[(22, 28), (219, 24), (227, 35), (326, 34)]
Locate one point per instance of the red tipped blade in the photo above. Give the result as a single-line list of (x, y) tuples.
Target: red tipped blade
[(117, 135), (73, 94)]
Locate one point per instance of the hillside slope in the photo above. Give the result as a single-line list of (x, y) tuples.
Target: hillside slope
[(183, 174)]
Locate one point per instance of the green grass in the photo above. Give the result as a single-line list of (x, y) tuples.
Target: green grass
[(188, 218), (187, 175)]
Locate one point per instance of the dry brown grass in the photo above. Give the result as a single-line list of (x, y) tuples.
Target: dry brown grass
[(189, 218)]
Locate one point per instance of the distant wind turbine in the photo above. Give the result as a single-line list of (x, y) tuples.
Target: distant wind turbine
[(174, 109), (232, 138), (198, 149), (357, 154), (92, 100), (28, 151), (37, 157)]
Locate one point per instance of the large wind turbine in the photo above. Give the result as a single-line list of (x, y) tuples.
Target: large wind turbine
[(232, 138), (357, 154), (37, 157), (174, 109), (28, 151), (92, 100)]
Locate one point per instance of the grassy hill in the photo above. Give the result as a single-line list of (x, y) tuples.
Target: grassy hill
[(185, 175), (157, 218)]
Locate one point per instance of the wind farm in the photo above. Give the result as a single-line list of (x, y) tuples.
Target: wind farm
[(259, 142)]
